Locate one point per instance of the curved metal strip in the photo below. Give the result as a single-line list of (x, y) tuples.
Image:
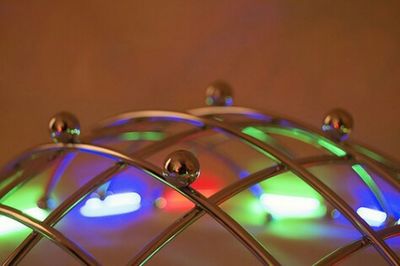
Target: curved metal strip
[(314, 182), (345, 251), (29, 155), (232, 226), (228, 110), (375, 167), (384, 159), (58, 213), (253, 245), (62, 165), (258, 115), (162, 115), (319, 186), (225, 194), (375, 190), (361, 158), (311, 180), (50, 233)]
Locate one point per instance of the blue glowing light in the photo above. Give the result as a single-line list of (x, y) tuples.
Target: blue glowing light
[(373, 217), (112, 205)]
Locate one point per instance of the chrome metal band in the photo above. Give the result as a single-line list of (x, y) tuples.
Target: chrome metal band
[(154, 172), (50, 233), (350, 249), (213, 210), (225, 194)]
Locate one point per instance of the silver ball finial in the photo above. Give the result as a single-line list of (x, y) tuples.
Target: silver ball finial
[(338, 124), (181, 168), (219, 93), (64, 127)]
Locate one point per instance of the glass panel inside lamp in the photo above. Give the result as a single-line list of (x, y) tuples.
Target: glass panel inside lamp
[(126, 232), (224, 158), (135, 136), (126, 192), (24, 199), (290, 219), (359, 258), (204, 251), (357, 187), (394, 242), (293, 141), (113, 204)]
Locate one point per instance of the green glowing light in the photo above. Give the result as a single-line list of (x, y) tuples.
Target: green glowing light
[(284, 206), (256, 133), (246, 209), (22, 198), (331, 147), (291, 133), (295, 133), (364, 175), (289, 184), (369, 181), (8, 225), (287, 196), (74, 131), (143, 135)]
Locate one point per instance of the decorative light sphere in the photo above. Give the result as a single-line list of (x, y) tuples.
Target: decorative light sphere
[(219, 93), (181, 168), (64, 127), (338, 124), (105, 201)]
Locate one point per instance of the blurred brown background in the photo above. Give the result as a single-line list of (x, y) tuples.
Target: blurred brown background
[(295, 58)]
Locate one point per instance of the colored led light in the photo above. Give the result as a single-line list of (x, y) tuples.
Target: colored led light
[(331, 147), (112, 205), (283, 206), (8, 225), (145, 135), (307, 138), (173, 201), (256, 133), (373, 217)]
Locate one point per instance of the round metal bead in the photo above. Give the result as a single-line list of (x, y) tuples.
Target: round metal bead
[(338, 124), (64, 127), (219, 93), (181, 168)]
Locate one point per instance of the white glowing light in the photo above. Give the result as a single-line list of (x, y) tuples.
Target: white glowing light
[(372, 217), (8, 225), (283, 206), (112, 205)]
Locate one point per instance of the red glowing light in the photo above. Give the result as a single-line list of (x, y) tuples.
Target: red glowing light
[(206, 185)]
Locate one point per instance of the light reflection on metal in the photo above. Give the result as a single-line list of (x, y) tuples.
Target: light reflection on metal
[(8, 225), (254, 128)]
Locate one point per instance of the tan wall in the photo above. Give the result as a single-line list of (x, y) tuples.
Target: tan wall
[(296, 58)]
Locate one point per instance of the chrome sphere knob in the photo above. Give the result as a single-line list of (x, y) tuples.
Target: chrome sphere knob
[(64, 127), (338, 124), (181, 168), (219, 93)]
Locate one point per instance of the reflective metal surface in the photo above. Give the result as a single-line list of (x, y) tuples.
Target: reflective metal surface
[(338, 124), (171, 160), (181, 168), (64, 127)]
